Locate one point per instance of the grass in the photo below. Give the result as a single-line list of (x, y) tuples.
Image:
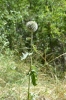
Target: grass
[(14, 82)]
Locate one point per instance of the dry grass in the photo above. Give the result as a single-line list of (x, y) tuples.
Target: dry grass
[(47, 88), (44, 89)]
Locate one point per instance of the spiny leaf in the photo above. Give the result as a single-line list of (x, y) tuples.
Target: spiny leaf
[(33, 77)]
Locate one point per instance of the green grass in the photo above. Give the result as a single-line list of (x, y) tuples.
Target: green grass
[(14, 82)]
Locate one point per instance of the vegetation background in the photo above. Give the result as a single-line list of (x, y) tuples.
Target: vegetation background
[(49, 49)]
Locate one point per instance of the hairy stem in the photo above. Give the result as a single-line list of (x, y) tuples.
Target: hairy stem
[(30, 66)]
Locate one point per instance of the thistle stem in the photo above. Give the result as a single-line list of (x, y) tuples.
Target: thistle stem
[(30, 66), (31, 47), (29, 89)]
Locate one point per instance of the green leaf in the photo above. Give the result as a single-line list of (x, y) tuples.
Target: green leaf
[(33, 77)]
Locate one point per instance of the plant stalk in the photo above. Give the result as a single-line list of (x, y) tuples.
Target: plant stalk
[(30, 65)]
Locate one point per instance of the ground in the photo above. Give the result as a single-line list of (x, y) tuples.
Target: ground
[(14, 83)]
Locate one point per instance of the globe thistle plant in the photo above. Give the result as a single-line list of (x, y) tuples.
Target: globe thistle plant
[(32, 27)]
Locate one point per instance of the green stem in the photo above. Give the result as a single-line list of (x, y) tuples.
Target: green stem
[(30, 66), (29, 89), (31, 47)]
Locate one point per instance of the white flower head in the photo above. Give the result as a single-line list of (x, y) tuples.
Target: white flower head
[(32, 26)]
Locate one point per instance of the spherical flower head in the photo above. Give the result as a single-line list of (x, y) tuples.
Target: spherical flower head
[(32, 26)]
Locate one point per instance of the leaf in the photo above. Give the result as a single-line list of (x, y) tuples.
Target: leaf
[(33, 77), (35, 48), (25, 55)]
